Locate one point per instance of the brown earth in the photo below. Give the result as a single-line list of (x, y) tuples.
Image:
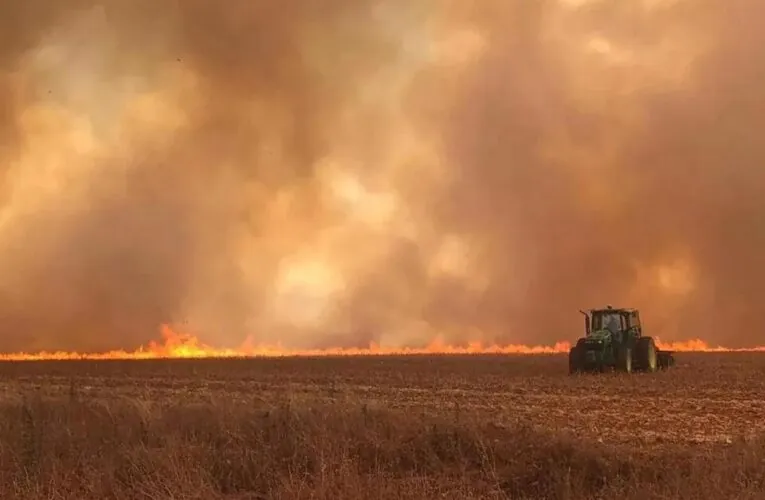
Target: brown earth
[(485, 426)]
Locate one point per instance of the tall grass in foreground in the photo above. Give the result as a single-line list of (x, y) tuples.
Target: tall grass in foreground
[(137, 450)]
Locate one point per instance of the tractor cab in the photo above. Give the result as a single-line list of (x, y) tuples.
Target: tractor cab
[(615, 321)]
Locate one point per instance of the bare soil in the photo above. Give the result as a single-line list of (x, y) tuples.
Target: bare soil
[(480, 426)]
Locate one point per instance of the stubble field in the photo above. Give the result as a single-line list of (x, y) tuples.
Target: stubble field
[(482, 426)]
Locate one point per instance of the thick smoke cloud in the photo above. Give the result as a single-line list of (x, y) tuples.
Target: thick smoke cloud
[(633, 180), (335, 173), (169, 128)]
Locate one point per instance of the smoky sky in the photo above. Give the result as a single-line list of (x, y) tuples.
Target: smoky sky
[(677, 169), (582, 154)]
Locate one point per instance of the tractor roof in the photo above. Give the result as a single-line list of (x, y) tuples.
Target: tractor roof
[(613, 309)]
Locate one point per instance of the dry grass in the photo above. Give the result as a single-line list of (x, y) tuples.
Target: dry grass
[(353, 429)]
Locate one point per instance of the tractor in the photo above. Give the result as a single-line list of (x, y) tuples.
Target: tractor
[(614, 340)]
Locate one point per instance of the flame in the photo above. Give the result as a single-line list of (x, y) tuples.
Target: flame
[(698, 345), (177, 345)]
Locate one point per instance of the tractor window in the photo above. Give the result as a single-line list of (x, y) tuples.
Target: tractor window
[(607, 320), (634, 320)]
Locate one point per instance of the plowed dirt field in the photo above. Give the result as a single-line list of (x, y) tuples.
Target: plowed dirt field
[(706, 398)]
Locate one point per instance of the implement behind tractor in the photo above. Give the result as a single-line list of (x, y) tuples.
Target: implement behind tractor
[(614, 340)]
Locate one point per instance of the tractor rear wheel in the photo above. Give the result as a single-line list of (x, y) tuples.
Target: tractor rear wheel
[(624, 360), (646, 355), (575, 360)]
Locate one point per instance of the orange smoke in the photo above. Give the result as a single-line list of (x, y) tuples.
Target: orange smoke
[(180, 345)]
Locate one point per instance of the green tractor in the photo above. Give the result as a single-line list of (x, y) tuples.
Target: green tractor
[(614, 340)]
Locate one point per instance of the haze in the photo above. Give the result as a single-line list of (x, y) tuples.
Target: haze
[(334, 173)]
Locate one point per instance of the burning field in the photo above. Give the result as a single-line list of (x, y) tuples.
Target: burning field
[(176, 345), (368, 226)]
